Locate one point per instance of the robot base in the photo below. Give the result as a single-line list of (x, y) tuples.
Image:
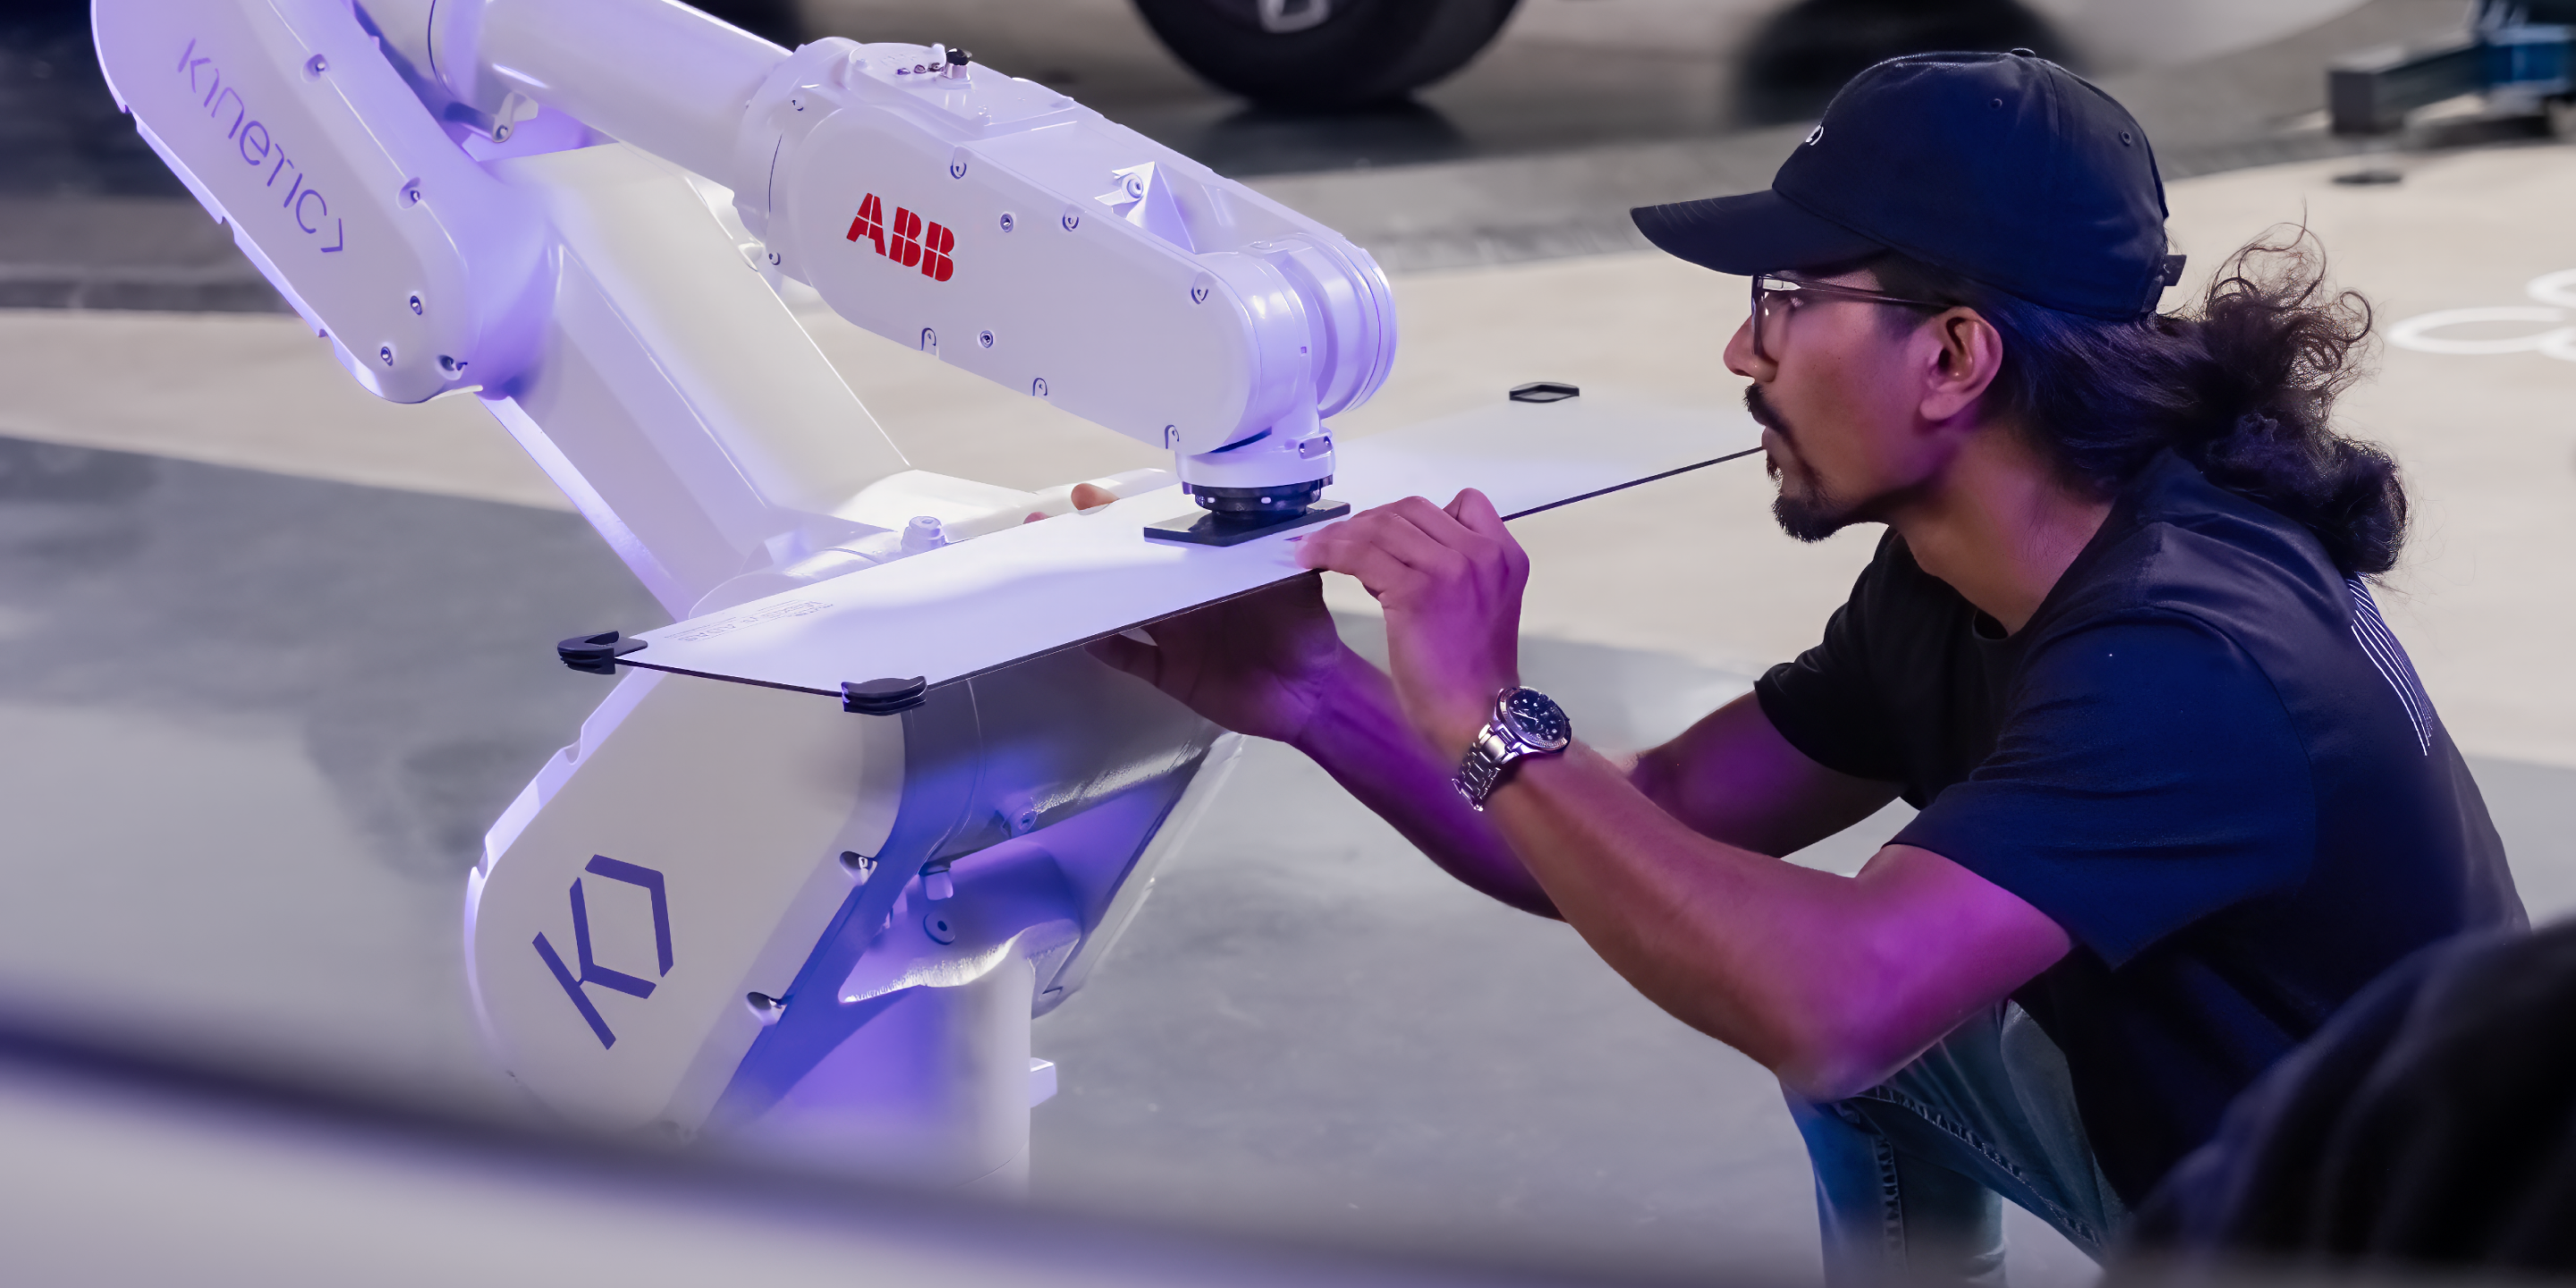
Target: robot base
[(1208, 529)]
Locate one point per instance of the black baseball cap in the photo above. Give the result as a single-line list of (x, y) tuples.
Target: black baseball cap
[(2004, 168)]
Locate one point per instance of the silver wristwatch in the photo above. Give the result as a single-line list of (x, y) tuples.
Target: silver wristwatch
[(1526, 722)]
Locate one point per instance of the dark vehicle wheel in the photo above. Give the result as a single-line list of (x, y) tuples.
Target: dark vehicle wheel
[(1805, 52), (1324, 53)]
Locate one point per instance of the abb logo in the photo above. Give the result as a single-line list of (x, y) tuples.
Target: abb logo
[(909, 242)]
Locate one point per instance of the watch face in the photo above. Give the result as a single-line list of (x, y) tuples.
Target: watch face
[(1537, 720)]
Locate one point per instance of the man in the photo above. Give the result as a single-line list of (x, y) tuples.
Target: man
[(2180, 791)]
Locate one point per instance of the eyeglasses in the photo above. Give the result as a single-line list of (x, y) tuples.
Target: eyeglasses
[(1775, 298)]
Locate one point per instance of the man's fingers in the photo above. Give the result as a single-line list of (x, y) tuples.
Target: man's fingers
[(1475, 512), (1378, 571), (1388, 533), (1360, 551), (1326, 548), (1423, 537), (1420, 533), (1439, 523), (1469, 545)]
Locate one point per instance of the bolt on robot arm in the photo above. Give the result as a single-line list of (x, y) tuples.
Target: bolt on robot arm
[(725, 906)]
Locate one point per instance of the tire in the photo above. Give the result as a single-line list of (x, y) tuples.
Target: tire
[(1361, 52), (1803, 54)]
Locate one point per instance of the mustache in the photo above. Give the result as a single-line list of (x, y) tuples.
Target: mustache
[(1763, 413), (1769, 417)]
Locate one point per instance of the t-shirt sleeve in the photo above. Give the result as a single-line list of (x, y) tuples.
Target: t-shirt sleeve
[(2146, 776), (1827, 704)]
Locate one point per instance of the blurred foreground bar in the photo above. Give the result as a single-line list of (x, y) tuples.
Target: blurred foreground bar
[(124, 1169)]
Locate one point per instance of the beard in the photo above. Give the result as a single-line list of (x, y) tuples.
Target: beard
[(1805, 509)]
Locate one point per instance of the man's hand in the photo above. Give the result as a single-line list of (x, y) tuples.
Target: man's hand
[(1450, 581), (1262, 664)]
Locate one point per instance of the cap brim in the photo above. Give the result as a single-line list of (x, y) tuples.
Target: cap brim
[(1758, 232)]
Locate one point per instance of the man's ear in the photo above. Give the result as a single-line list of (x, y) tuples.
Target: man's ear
[(1970, 354)]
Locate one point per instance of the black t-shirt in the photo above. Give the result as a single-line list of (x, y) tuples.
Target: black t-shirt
[(2204, 756)]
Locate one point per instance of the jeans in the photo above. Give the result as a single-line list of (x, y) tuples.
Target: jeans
[(1910, 1174)]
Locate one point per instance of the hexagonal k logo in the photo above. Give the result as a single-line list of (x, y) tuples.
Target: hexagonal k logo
[(591, 971)]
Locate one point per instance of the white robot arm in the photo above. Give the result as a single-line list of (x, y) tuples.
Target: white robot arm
[(727, 907), (986, 219)]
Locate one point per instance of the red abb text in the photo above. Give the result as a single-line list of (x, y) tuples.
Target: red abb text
[(907, 240)]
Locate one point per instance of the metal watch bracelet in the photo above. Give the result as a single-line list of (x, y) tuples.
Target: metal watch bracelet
[(1501, 742)]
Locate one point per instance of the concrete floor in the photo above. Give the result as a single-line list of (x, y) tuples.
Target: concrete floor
[(273, 652)]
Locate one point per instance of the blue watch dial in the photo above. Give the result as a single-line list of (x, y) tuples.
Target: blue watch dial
[(1534, 718)]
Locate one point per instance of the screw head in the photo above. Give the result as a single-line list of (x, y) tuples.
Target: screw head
[(415, 303), (1072, 219), (315, 66), (386, 353), (984, 338)]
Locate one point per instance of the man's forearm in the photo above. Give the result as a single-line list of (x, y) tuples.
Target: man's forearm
[(1832, 982), (1743, 947), (1361, 738)]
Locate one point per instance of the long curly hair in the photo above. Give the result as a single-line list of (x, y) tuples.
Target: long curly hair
[(2241, 386)]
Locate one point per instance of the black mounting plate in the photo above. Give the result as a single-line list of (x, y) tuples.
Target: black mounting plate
[(1205, 529)]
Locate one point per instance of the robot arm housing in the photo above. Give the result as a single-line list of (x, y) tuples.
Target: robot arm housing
[(983, 218)]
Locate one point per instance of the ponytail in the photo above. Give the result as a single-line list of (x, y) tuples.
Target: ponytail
[(2242, 387)]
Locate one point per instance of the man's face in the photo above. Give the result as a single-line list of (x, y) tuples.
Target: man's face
[(1835, 395)]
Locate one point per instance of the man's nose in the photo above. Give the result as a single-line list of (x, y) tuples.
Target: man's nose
[(1741, 359)]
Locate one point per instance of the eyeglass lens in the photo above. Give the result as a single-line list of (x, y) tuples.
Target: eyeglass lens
[(1772, 305)]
